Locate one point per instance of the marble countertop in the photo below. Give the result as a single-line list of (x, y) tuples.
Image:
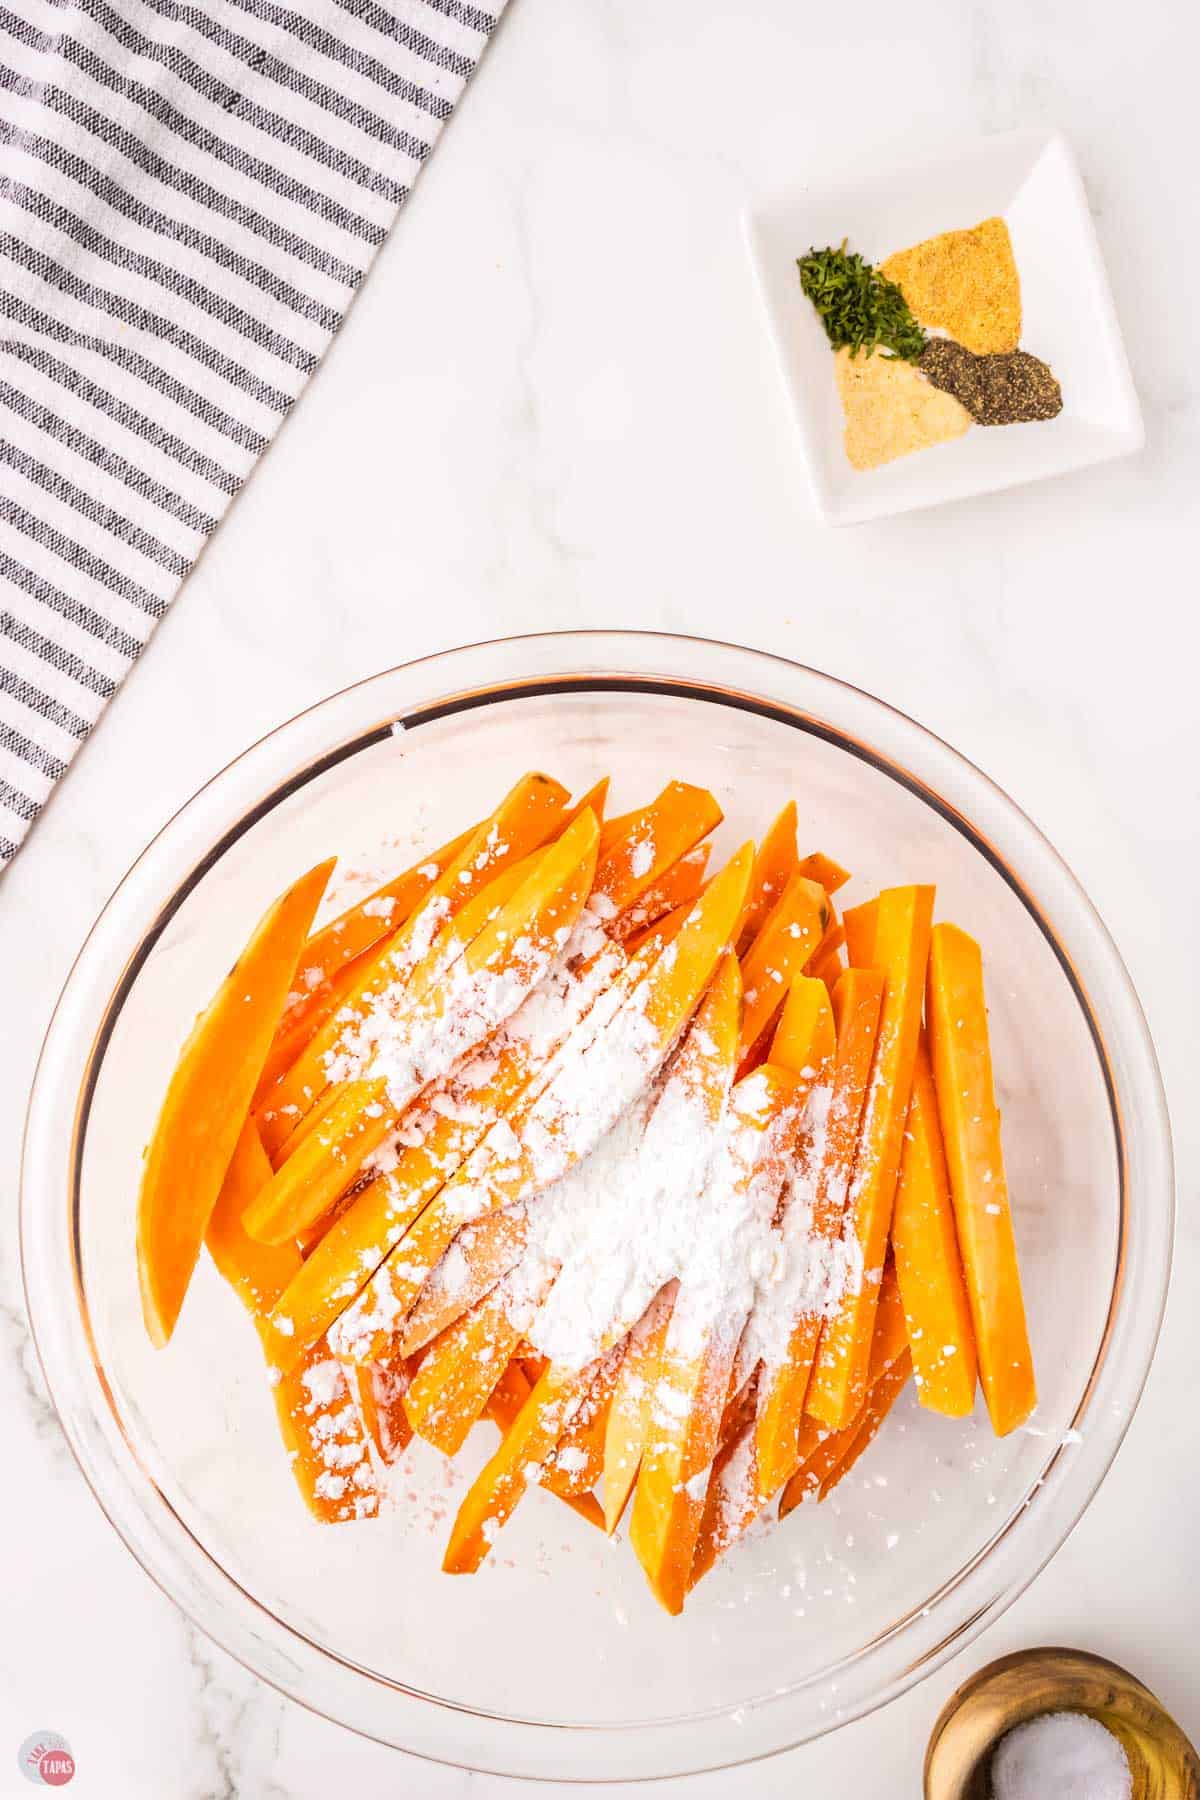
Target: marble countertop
[(554, 406)]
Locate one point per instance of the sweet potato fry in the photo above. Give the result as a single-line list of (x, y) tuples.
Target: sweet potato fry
[(480, 1256), (820, 1183), (786, 940), (654, 838), (523, 1453), (379, 1390), (323, 1435), (629, 1412), (451, 1388), (970, 1120), (837, 1453), (774, 866), (677, 886), (330, 965), (928, 1263), (508, 1397), (208, 1100), (824, 871), (892, 937)]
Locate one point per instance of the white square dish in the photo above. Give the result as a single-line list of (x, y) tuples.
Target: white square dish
[(1032, 181)]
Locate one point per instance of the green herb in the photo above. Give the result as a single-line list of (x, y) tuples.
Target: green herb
[(859, 308)]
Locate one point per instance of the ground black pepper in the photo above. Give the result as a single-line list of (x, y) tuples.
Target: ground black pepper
[(1008, 388)]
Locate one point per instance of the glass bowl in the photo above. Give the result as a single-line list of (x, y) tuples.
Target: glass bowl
[(554, 1661)]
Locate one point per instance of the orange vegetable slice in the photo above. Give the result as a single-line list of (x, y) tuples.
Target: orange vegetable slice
[(208, 1099), (970, 1120), (322, 1432), (786, 940), (628, 1419), (928, 1264), (480, 1256), (508, 1397), (822, 1177), (891, 936), (774, 865), (837, 1453)]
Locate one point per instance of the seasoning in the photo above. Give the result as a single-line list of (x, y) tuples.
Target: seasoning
[(859, 309), (891, 410), (1005, 389), (1068, 1755), (964, 283)]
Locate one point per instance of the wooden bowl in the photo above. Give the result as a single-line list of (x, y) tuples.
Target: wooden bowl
[(1162, 1761)]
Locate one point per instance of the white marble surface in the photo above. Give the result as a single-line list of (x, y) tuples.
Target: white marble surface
[(554, 406)]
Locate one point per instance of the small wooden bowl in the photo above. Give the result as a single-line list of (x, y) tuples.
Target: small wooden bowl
[(1162, 1762)]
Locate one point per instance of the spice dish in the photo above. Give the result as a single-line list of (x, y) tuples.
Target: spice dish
[(956, 297), (839, 1608)]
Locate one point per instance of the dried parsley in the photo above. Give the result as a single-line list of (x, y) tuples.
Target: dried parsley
[(1008, 388), (859, 308)]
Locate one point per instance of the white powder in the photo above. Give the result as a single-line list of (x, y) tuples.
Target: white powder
[(382, 907), (641, 859), (621, 1224), (1065, 1754), (408, 1043), (558, 1012)]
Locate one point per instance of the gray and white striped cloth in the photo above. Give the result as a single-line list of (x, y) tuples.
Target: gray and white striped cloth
[(189, 195)]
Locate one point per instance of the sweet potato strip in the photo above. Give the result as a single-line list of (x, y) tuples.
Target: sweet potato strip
[(523, 1453), (480, 1256), (301, 1022), (837, 1453), (970, 1120), (577, 1460), (322, 1432), (379, 1390), (592, 801), (824, 871), (629, 1412), (525, 819), (677, 886), (500, 967), (208, 1100), (452, 1386), (654, 838), (508, 1397), (774, 865), (890, 936), (820, 1184), (928, 1264), (786, 940)]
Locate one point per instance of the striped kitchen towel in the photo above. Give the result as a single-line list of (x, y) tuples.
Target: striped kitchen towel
[(190, 192)]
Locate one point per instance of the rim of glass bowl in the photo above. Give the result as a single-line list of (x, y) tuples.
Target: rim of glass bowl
[(281, 763)]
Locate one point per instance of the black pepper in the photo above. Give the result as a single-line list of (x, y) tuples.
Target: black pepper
[(1008, 388)]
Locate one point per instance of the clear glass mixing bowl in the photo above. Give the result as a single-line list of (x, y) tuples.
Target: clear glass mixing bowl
[(555, 1661)]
